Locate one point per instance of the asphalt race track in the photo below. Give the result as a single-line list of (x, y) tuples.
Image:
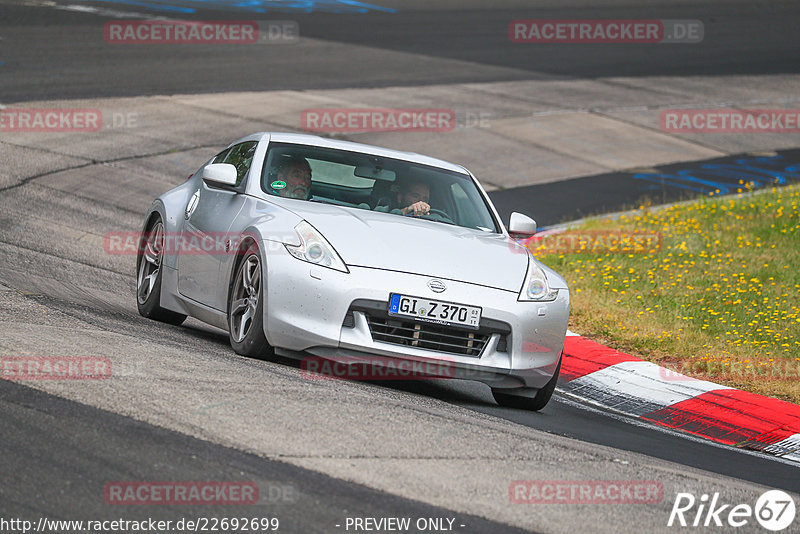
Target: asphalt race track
[(51, 53), (180, 405), (303, 500)]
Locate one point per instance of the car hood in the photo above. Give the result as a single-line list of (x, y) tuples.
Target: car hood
[(385, 241)]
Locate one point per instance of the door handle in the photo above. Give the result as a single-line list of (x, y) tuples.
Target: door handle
[(192, 205)]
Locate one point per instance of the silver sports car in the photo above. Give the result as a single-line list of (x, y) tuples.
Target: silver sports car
[(346, 253)]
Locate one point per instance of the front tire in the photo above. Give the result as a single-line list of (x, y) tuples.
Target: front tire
[(149, 271), (534, 403), (246, 308)]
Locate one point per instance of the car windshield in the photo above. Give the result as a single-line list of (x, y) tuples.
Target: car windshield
[(364, 181)]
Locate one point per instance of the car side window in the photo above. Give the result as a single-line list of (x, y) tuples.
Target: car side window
[(241, 157), (220, 158)]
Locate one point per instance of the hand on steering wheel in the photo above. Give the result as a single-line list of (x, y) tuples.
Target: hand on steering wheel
[(441, 214), (417, 209)]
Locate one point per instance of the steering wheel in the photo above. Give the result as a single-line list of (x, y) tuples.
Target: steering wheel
[(439, 215)]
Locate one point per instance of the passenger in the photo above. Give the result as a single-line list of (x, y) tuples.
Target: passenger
[(295, 173)]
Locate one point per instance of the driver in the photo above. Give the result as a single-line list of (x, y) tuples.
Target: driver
[(295, 172), (415, 196)]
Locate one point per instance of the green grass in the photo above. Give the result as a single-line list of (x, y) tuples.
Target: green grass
[(718, 299)]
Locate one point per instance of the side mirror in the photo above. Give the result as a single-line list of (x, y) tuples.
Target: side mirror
[(220, 174), (521, 226)]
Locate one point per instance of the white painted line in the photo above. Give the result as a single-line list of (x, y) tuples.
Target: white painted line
[(104, 12), (794, 456), (789, 447), (570, 333), (639, 387)]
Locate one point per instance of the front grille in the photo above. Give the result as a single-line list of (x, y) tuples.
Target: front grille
[(427, 336), (446, 339)]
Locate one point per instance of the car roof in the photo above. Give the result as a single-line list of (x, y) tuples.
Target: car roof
[(315, 140)]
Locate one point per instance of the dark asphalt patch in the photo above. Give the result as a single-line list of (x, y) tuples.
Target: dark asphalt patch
[(572, 420), (568, 200), (58, 455)]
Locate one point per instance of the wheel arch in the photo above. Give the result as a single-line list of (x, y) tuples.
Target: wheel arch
[(151, 217), (251, 237)]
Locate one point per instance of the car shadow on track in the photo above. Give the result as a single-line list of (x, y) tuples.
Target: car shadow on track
[(464, 393)]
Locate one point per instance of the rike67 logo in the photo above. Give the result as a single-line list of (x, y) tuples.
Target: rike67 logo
[(774, 510)]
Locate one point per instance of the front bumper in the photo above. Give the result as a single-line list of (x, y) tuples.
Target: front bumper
[(306, 307)]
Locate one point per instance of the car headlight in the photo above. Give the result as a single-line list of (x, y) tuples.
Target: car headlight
[(535, 287), (314, 248)]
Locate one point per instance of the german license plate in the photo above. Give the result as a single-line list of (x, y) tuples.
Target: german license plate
[(434, 311)]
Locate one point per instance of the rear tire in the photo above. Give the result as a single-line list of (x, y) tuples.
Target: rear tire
[(149, 261), (246, 307), (535, 403)]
